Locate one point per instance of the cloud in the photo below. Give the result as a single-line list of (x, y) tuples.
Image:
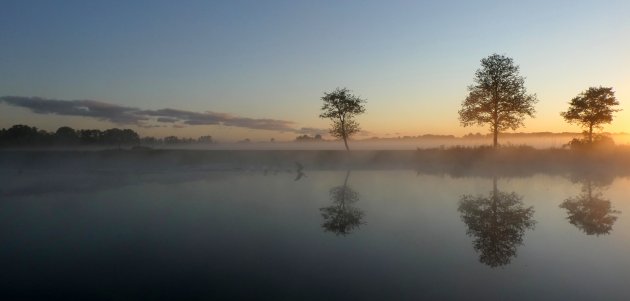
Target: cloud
[(87, 108), (125, 115), (167, 119), (187, 117)]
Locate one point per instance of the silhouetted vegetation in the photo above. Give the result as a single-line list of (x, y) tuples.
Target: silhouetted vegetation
[(591, 109), (174, 140), (342, 217), (498, 97), (597, 142), (497, 223), (307, 138), (26, 136), (341, 106), (590, 211)]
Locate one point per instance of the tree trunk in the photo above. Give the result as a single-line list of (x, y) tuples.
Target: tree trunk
[(495, 133), (343, 133), (590, 134), (495, 118)]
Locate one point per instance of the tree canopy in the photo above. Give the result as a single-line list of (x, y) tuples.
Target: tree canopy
[(341, 106), (591, 109), (498, 97)]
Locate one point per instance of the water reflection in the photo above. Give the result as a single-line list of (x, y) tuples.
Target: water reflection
[(497, 223), (299, 169), (342, 217), (590, 211)]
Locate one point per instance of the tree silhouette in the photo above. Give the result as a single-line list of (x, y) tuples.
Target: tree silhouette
[(24, 135), (498, 97), (90, 136), (119, 137), (497, 223), (342, 217), (590, 211), (341, 106), (591, 109), (66, 136)]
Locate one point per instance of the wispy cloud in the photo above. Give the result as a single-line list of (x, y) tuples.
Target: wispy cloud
[(125, 115), (87, 108)]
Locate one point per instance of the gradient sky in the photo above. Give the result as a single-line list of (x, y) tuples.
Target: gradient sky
[(412, 60)]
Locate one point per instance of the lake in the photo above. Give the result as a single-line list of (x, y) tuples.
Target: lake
[(318, 234)]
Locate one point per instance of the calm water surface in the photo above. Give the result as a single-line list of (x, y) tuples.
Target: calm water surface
[(319, 235)]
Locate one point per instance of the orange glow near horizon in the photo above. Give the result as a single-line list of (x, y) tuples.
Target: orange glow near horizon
[(408, 118)]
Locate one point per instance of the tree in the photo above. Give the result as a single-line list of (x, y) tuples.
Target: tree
[(66, 136), (498, 97), (22, 135), (119, 137), (90, 136), (341, 106), (206, 139), (171, 140), (591, 109)]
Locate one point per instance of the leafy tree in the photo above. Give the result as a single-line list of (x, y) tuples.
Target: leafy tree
[(171, 140), (498, 97), (206, 139), (591, 109), (66, 136), (341, 106), (24, 135), (90, 136)]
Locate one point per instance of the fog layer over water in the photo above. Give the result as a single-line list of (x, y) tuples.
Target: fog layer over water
[(542, 142), (312, 234)]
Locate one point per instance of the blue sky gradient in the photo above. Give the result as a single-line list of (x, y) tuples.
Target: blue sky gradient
[(412, 60)]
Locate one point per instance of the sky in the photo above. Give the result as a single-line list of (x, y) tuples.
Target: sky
[(257, 69)]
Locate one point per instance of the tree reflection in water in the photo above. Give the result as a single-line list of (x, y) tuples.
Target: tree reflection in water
[(590, 211), (497, 223), (342, 217)]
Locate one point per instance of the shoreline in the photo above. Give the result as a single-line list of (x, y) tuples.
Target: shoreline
[(457, 161)]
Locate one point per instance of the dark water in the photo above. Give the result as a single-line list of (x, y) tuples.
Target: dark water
[(323, 235)]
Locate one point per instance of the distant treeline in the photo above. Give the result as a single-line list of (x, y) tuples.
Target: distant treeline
[(174, 140), (489, 135), (27, 136), (307, 138)]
